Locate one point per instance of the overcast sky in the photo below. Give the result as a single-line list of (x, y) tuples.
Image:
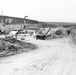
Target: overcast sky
[(41, 10)]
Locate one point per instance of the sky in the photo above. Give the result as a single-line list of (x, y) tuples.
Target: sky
[(41, 10)]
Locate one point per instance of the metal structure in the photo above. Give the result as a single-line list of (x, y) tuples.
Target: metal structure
[(25, 19)]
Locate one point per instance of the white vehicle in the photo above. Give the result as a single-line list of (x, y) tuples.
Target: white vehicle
[(12, 33)]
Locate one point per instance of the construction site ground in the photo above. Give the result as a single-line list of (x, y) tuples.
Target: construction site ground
[(52, 57)]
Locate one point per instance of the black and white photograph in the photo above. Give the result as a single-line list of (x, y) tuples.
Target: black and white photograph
[(37, 37)]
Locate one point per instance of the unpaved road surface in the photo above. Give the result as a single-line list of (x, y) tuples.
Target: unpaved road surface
[(53, 57)]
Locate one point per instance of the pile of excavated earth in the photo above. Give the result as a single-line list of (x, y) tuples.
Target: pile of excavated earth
[(11, 46)]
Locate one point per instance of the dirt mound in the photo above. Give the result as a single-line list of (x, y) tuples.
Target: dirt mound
[(11, 46)]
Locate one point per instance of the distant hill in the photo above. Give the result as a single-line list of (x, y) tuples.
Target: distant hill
[(58, 24), (34, 24), (17, 20)]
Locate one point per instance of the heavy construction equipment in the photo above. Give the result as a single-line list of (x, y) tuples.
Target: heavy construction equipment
[(53, 33), (42, 36)]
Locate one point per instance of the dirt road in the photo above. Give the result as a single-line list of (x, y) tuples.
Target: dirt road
[(53, 57)]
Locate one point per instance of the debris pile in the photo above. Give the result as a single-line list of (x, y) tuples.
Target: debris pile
[(11, 46)]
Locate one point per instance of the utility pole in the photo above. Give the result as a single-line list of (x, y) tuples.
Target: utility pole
[(1, 16)]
